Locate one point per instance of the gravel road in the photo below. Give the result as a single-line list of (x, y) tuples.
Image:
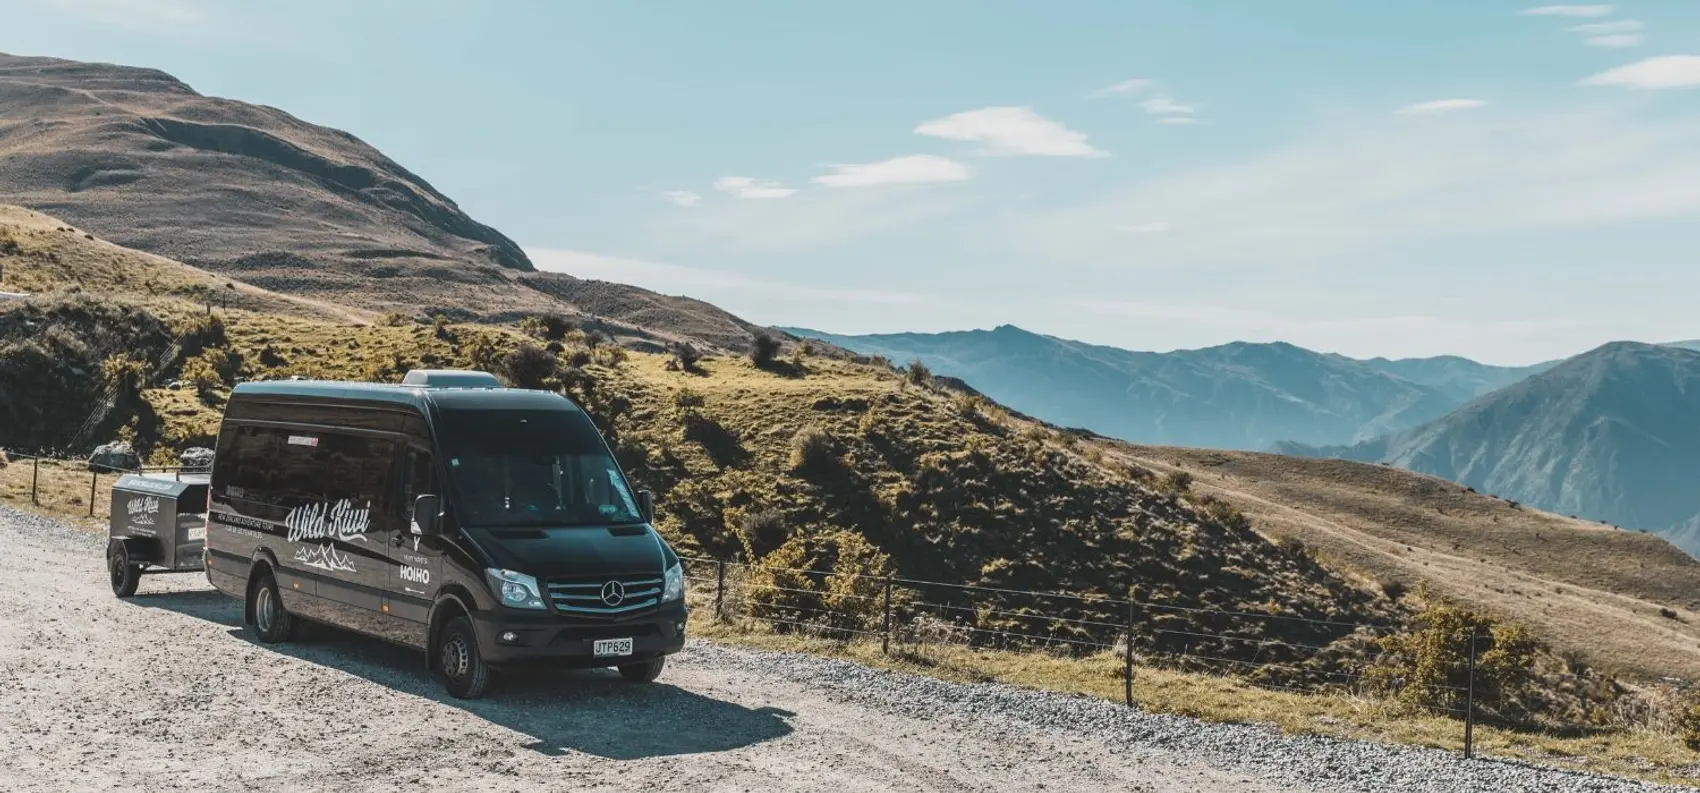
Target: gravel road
[(168, 690)]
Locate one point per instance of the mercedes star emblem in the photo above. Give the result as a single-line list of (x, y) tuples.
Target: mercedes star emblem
[(613, 593)]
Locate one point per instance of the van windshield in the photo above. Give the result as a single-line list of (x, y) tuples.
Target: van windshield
[(511, 468)]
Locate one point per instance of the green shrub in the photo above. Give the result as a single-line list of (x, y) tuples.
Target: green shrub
[(1428, 666), (394, 319), (547, 327), (202, 374)]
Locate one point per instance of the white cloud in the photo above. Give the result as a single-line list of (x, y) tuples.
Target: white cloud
[(1153, 227), (1166, 106), (749, 187), (913, 169), (1011, 131), (1135, 85), (1615, 40), (813, 220), (1665, 71), (1376, 184), (1605, 28), (1440, 106), (684, 198), (701, 283), (1570, 11)]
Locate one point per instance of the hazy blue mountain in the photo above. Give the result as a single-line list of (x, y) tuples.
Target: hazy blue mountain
[(1612, 435), (1235, 396), (1457, 377)]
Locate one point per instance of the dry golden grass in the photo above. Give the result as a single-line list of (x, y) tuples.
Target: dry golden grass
[(60, 488), (1581, 586), (48, 255), (1646, 754)]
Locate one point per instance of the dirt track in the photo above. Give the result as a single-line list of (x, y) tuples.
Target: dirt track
[(169, 691)]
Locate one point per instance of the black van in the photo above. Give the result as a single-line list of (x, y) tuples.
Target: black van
[(488, 526)]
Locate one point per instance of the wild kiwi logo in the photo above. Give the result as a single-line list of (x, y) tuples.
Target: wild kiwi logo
[(142, 510), (329, 521)]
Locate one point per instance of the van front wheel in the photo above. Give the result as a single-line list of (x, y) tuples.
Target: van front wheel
[(645, 672), (462, 667)]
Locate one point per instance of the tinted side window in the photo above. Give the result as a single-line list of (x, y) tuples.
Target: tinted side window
[(321, 467), (243, 464)]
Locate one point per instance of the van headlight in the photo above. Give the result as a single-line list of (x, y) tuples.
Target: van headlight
[(674, 586), (516, 590)]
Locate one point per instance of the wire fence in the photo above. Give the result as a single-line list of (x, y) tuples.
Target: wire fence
[(59, 468), (922, 619)]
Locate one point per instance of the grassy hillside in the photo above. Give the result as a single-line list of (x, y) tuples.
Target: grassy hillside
[(253, 193), (1586, 587), (838, 466)]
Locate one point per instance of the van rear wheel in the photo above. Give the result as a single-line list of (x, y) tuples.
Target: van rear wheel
[(125, 575), (644, 672), (459, 663), (272, 623)]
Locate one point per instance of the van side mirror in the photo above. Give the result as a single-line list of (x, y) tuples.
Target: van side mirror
[(428, 515), (646, 505)]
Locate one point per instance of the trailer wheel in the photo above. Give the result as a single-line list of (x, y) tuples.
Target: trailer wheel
[(461, 666), (125, 575), (272, 623), (644, 672)]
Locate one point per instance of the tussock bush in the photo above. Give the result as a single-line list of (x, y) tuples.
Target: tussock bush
[(685, 355), (1175, 483), (918, 374), (394, 319), (763, 348), (608, 355), (528, 366), (1293, 548), (440, 327), (811, 448), (546, 327), (762, 531), (201, 373)]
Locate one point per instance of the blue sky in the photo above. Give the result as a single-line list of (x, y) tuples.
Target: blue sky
[(1504, 180)]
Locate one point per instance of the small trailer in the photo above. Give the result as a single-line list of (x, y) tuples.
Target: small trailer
[(158, 525)]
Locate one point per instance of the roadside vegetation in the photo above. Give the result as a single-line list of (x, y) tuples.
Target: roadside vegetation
[(838, 472)]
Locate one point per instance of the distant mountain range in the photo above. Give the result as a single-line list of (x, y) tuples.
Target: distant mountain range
[(1612, 434), (1234, 396)]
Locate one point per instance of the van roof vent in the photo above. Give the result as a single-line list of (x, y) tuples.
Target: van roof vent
[(451, 378)]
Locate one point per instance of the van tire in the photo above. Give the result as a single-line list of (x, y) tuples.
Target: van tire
[(459, 663), (125, 575), (644, 672), (272, 622)]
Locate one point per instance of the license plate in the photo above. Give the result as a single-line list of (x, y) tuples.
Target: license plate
[(604, 648)]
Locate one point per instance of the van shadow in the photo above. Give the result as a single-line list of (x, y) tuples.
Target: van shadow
[(591, 711)]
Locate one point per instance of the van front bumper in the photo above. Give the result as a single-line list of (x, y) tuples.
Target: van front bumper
[(507, 637)]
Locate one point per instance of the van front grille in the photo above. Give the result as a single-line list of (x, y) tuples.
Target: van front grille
[(615, 596)]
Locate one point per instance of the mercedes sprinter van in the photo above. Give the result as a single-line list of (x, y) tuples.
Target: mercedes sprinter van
[(486, 526)]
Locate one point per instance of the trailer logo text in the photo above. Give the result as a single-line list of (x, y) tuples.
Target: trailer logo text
[(142, 510)]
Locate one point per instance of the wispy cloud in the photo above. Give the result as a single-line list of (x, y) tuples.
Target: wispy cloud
[(1665, 71), (1369, 183), (698, 282), (749, 187), (1011, 131), (1177, 120), (1614, 40), (813, 220), (1605, 28), (1166, 106), (1584, 11), (1152, 227), (913, 169), (683, 198), (1134, 85), (1440, 106)]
